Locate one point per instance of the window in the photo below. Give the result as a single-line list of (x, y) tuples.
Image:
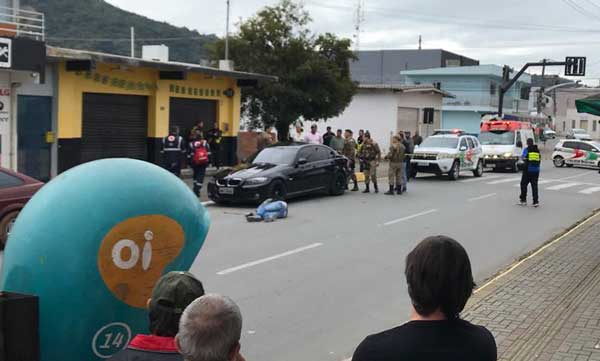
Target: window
[(586, 147), (7, 180), (463, 143), (594, 126), (564, 125), (571, 145), (437, 84), (525, 91), (471, 144), (573, 123), (493, 88), (323, 153)]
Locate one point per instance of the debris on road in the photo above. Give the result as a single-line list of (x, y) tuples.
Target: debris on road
[(269, 211)]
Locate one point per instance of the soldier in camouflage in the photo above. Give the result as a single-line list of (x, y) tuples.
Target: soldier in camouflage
[(349, 151), (370, 155), (396, 157)]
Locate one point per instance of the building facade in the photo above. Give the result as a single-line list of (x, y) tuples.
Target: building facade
[(93, 106), (385, 110), (384, 66), (565, 113), (476, 90)]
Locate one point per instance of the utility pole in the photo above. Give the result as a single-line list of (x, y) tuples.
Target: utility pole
[(359, 19), (420, 41), (132, 42), (227, 33), (540, 99)]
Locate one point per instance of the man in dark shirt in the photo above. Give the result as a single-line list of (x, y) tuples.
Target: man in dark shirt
[(328, 136), (440, 282)]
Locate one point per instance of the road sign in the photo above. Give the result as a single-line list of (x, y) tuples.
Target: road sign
[(575, 66), (5, 53)]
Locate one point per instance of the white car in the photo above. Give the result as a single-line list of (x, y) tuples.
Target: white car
[(550, 134), (449, 154), (576, 152), (579, 134)]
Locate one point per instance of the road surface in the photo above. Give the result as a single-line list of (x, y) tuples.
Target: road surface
[(311, 287)]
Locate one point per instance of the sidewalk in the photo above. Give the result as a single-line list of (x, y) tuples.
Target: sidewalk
[(548, 306)]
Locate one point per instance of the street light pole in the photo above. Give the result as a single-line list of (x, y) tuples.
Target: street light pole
[(227, 33)]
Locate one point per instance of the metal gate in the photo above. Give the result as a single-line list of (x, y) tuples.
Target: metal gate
[(114, 126), (34, 117)]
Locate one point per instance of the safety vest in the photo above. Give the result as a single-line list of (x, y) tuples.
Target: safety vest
[(533, 158)]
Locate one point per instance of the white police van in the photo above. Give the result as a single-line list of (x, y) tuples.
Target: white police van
[(449, 154)]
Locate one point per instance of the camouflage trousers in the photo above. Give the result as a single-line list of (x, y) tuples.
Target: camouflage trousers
[(395, 173), (370, 172)]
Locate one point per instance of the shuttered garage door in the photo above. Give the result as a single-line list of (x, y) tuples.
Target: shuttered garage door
[(114, 126)]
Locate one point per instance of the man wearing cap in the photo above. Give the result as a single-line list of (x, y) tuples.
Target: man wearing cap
[(171, 295)]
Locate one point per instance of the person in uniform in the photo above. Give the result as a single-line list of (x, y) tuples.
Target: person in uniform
[(396, 157), (531, 173), (370, 155), (359, 142), (349, 151), (197, 131), (215, 137), (409, 147), (199, 158), (173, 151)]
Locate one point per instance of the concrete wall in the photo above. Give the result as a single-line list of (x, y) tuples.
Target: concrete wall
[(377, 112), (585, 121)]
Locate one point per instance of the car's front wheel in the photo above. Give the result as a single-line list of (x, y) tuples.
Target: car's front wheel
[(559, 161), (478, 172), (5, 227), (277, 191), (338, 184), (454, 171)]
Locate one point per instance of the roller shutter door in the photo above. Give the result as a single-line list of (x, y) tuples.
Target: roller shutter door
[(114, 126), (185, 114)]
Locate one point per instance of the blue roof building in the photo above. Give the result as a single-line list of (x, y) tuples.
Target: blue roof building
[(476, 90)]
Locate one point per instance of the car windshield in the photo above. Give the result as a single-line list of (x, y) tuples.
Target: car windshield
[(440, 142), (578, 131), (497, 138), (277, 156)]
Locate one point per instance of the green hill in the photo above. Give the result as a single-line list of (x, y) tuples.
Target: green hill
[(69, 23)]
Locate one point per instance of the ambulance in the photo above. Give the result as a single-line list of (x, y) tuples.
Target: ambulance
[(502, 142)]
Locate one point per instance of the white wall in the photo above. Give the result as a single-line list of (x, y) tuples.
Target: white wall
[(573, 115), (377, 112)]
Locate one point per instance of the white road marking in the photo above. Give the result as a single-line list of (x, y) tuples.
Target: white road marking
[(562, 186), (208, 203), (506, 180), (409, 217), (482, 197), (545, 181), (481, 179), (576, 176), (590, 190), (268, 259)]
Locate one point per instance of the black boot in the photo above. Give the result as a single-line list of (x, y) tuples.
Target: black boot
[(355, 189), (367, 190), (391, 191), (399, 189), (376, 187)]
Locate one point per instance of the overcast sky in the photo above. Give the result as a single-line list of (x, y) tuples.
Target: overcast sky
[(501, 32)]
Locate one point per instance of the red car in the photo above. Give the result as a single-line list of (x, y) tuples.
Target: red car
[(15, 190)]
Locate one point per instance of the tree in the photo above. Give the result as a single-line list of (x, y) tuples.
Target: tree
[(313, 70)]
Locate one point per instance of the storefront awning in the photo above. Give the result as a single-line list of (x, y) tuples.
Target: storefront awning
[(74, 54), (590, 105)]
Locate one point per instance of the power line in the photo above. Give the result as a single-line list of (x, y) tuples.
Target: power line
[(581, 10), (125, 39)]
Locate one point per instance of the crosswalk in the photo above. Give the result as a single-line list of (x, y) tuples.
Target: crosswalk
[(567, 185)]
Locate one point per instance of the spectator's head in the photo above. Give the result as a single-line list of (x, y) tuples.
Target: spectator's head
[(200, 124), (174, 130), (339, 133), (298, 128), (530, 142), (328, 129), (313, 129), (407, 134), (396, 140), (439, 278), (361, 132), (401, 136), (348, 133), (171, 295), (210, 330)]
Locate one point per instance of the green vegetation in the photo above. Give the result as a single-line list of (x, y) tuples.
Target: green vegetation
[(68, 22)]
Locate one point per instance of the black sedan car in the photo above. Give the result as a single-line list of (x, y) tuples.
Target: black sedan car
[(283, 172)]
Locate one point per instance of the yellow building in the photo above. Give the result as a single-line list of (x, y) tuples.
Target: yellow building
[(115, 106)]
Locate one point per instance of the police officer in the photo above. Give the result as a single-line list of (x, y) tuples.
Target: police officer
[(199, 157), (215, 136), (370, 155), (173, 151), (396, 156), (359, 141), (409, 147), (531, 173), (349, 151)]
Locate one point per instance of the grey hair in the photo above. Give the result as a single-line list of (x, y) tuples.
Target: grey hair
[(209, 329)]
